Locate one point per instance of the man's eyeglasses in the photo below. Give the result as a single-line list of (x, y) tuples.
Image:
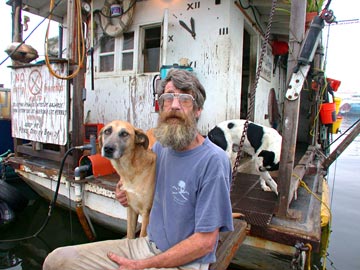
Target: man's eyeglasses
[(185, 100)]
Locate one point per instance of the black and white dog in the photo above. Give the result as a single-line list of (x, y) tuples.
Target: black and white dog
[(261, 142)]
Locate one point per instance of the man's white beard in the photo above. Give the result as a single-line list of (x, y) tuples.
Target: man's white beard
[(176, 130)]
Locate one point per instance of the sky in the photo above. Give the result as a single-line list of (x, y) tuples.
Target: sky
[(342, 53), (36, 40)]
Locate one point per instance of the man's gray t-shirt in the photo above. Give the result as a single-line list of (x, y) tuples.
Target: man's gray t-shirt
[(192, 194)]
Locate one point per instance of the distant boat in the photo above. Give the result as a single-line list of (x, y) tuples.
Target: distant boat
[(351, 105)]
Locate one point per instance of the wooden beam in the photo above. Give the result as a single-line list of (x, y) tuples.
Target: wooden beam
[(299, 171), (291, 108)]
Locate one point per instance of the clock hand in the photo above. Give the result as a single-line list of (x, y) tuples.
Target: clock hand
[(183, 24), (186, 27), (192, 22)]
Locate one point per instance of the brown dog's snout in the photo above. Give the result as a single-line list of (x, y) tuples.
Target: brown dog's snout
[(108, 150)]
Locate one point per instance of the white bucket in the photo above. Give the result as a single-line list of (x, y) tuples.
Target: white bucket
[(116, 10)]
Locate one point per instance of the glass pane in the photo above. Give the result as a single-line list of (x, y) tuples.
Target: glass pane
[(107, 44), (127, 61), (128, 42), (106, 63), (152, 49), (152, 37), (151, 60)]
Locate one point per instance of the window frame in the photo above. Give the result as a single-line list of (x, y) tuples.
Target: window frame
[(138, 56), (141, 47), (108, 53)]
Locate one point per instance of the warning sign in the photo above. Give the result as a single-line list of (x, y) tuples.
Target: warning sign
[(39, 104)]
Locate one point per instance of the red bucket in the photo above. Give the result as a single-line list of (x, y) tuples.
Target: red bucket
[(327, 113), (334, 84)]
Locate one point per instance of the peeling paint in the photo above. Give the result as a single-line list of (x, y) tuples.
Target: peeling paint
[(99, 190)]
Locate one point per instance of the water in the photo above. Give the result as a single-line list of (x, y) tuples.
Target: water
[(64, 228), (344, 182)]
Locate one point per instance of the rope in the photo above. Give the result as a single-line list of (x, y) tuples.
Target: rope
[(312, 131), (80, 43), (303, 184)]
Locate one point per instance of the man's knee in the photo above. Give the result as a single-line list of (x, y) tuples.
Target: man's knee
[(60, 258)]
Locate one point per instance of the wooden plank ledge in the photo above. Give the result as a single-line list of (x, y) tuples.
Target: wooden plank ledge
[(229, 243)]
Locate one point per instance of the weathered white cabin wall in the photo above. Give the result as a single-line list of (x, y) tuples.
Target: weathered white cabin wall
[(125, 95), (278, 82), (215, 55)]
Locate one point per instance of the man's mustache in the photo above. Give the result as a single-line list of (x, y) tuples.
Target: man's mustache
[(173, 114)]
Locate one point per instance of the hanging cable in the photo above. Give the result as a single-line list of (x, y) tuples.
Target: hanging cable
[(355, 123), (22, 42), (54, 199)]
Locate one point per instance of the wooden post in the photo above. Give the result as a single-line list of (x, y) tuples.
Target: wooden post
[(291, 107), (16, 21), (78, 84)]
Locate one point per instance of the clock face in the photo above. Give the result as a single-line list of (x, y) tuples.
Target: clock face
[(185, 23)]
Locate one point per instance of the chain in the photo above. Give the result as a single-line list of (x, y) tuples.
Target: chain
[(253, 91), (299, 260)]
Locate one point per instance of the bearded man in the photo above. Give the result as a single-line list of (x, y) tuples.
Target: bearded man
[(192, 193)]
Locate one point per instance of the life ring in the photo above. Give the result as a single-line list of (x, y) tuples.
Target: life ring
[(115, 26), (12, 196)]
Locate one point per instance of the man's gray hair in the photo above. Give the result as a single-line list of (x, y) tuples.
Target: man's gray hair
[(187, 82)]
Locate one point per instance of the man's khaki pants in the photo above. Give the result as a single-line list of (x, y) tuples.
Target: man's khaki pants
[(93, 256)]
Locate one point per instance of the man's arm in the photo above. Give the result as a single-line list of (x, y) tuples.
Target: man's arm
[(188, 250), (120, 194)]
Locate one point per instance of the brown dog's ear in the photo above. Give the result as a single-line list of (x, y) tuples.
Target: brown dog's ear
[(141, 138), (100, 137)]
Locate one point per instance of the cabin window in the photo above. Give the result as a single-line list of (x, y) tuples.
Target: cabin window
[(151, 48), (107, 54), (128, 51)]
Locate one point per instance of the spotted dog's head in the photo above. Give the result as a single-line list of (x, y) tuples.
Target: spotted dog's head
[(268, 161)]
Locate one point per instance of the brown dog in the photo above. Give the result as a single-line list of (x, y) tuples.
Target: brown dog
[(151, 136), (127, 149)]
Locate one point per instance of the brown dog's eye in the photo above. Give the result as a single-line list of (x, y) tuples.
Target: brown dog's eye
[(108, 131), (123, 134)]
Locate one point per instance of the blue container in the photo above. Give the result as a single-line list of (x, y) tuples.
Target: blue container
[(6, 140), (165, 69)]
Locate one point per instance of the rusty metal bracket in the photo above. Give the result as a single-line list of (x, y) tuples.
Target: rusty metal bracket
[(296, 82)]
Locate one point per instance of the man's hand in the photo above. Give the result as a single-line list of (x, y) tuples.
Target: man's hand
[(124, 263), (120, 194)]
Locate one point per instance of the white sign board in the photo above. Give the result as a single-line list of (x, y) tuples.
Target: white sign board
[(39, 104), (267, 64)]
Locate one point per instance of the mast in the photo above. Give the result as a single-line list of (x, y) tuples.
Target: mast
[(16, 21)]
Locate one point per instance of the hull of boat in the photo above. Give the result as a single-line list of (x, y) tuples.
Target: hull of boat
[(99, 203)]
